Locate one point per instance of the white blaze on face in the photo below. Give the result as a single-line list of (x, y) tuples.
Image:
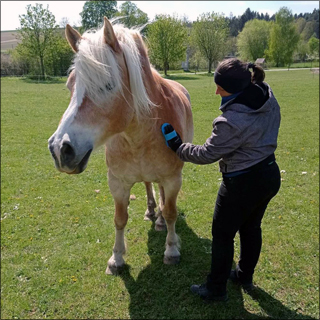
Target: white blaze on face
[(64, 130)]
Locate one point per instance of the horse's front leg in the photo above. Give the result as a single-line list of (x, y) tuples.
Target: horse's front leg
[(121, 193), (169, 212)]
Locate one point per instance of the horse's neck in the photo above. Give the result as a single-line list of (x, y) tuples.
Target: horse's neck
[(144, 126), (150, 76)]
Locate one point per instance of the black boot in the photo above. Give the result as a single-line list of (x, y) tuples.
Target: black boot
[(207, 295), (247, 286)]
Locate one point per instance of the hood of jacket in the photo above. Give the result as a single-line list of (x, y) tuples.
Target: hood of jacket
[(255, 98)]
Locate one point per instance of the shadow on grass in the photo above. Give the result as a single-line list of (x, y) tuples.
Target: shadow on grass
[(47, 81), (176, 77), (189, 76), (163, 291)]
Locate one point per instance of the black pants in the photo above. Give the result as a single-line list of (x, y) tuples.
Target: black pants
[(240, 206)]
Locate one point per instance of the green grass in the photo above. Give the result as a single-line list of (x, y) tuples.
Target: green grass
[(57, 232), (306, 64)]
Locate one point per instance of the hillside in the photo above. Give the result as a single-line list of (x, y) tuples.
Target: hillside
[(8, 40)]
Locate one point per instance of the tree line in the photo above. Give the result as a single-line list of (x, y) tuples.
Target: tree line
[(281, 38)]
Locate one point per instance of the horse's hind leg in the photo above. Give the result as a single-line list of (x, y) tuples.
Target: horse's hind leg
[(160, 224), (121, 194), (171, 190), (151, 203)]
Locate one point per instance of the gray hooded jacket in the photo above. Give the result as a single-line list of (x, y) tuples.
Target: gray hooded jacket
[(242, 136)]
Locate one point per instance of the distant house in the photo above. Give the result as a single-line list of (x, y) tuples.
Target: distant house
[(261, 62)]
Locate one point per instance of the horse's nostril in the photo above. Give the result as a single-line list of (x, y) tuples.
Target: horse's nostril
[(52, 151), (67, 152), (51, 139)]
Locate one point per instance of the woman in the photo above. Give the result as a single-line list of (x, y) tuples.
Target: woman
[(243, 140)]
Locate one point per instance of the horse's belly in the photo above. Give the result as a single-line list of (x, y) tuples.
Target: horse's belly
[(147, 171)]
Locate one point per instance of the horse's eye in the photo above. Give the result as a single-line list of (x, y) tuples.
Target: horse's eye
[(108, 87)]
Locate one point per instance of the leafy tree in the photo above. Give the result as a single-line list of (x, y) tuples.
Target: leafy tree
[(313, 44), (283, 38), (132, 15), (24, 61), (236, 24), (311, 17), (196, 60), (300, 24), (308, 30), (232, 46), (36, 33), (253, 40), (209, 35), (13, 64), (59, 56), (301, 50), (93, 12), (167, 41)]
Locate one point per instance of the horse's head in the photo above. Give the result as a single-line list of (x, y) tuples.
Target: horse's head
[(107, 92)]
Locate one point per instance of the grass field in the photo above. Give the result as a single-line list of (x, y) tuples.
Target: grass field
[(57, 231)]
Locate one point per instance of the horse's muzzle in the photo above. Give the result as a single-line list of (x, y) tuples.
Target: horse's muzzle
[(68, 161)]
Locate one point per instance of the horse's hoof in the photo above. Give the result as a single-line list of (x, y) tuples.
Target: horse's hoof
[(171, 260), (112, 270), (149, 217)]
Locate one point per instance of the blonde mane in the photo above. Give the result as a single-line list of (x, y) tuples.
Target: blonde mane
[(98, 71)]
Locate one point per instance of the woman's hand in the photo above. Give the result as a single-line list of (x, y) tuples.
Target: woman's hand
[(173, 139)]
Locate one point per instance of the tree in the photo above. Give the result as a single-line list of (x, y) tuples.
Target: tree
[(167, 38), (300, 24), (209, 34), (24, 61), (308, 30), (248, 15), (64, 21), (36, 32), (301, 50), (234, 25), (132, 15), (59, 56), (196, 60), (284, 38), (232, 46), (93, 12), (253, 40), (313, 44)]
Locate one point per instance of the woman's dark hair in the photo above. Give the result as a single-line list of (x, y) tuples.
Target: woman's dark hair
[(234, 75), (258, 74)]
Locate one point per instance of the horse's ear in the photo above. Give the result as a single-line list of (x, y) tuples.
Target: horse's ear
[(109, 36), (73, 37)]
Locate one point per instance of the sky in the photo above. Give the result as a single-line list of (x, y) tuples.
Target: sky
[(10, 10)]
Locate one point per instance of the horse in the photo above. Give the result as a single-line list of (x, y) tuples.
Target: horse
[(119, 100)]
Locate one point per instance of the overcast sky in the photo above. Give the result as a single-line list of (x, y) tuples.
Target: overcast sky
[(10, 10)]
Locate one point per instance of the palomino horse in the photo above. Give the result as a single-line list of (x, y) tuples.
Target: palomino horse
[(119, 100)]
